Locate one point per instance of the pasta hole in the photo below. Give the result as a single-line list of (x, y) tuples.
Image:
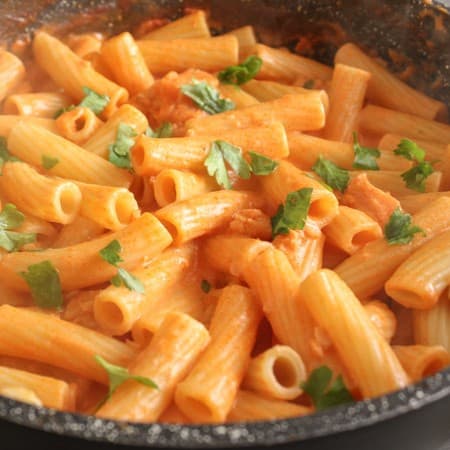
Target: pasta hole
[(284, 373), (171, 228), (125, 208), (69, 201), (320, 208), (80, 122), (109, 313), (138, 156), (165, 191), (362, 238)]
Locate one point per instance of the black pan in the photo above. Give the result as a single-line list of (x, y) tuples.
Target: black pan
[(416, 418)]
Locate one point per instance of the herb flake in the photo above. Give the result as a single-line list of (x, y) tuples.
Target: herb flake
[(399, 229), (292, 215), (206, 97), (242, 73), (45, 285)]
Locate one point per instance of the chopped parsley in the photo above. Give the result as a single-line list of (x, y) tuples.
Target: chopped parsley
[(415, 177), (111, 254), (4, 152), (206, 97), (45, 285), (10, 218), (261, 164), (399, 229), (308, 84), (323, 394), (410, 150), (48, 162), (92, 100), (220, 152), (241, 73), (331, 174), (206, 286), (119, 151), (365, 157), (292, 215), (164, 131), (117, 375)]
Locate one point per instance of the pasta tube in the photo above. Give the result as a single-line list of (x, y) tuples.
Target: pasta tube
[(36, 104), (421, 279), (250, 406), (366, 271), (386, 89), (352, 229), (200, 215), (420, 361), (277, 373), (12, 72), (32, 142), (47, 198), (151, 155), (53, 393), (366, 355), (117, 308), (296, 112), (105, 135), (190, 26), (32, 335), (208, 54), (78, 124), (81, 266), (123, 58), (72, 73), (208, 392), (167, 360), (111, 207)]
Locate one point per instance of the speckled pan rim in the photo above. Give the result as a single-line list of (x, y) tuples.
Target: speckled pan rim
[(337, 420)]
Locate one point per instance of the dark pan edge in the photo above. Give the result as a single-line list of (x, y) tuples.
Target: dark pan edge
[(336, 420)]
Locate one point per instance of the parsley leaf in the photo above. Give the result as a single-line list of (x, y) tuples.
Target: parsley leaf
[(10, 218), (12, 241), (241, 73), (292, 215), (261, 165), (119, 151), (206, 97), (308, 84), (118, 375), (333, 175), (110, 253), (416, 176), (206, 286), (164, 131), (365, 157), (128, 280), (316, 387), (45, 285), (399, 229), (4, 152), (410, 150), (220, 152), (48, 162), (94, 101)]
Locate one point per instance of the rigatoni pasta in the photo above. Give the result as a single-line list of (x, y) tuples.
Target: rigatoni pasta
[(199, 229)]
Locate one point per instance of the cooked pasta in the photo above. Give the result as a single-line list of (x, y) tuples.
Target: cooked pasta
[(199, 229)]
